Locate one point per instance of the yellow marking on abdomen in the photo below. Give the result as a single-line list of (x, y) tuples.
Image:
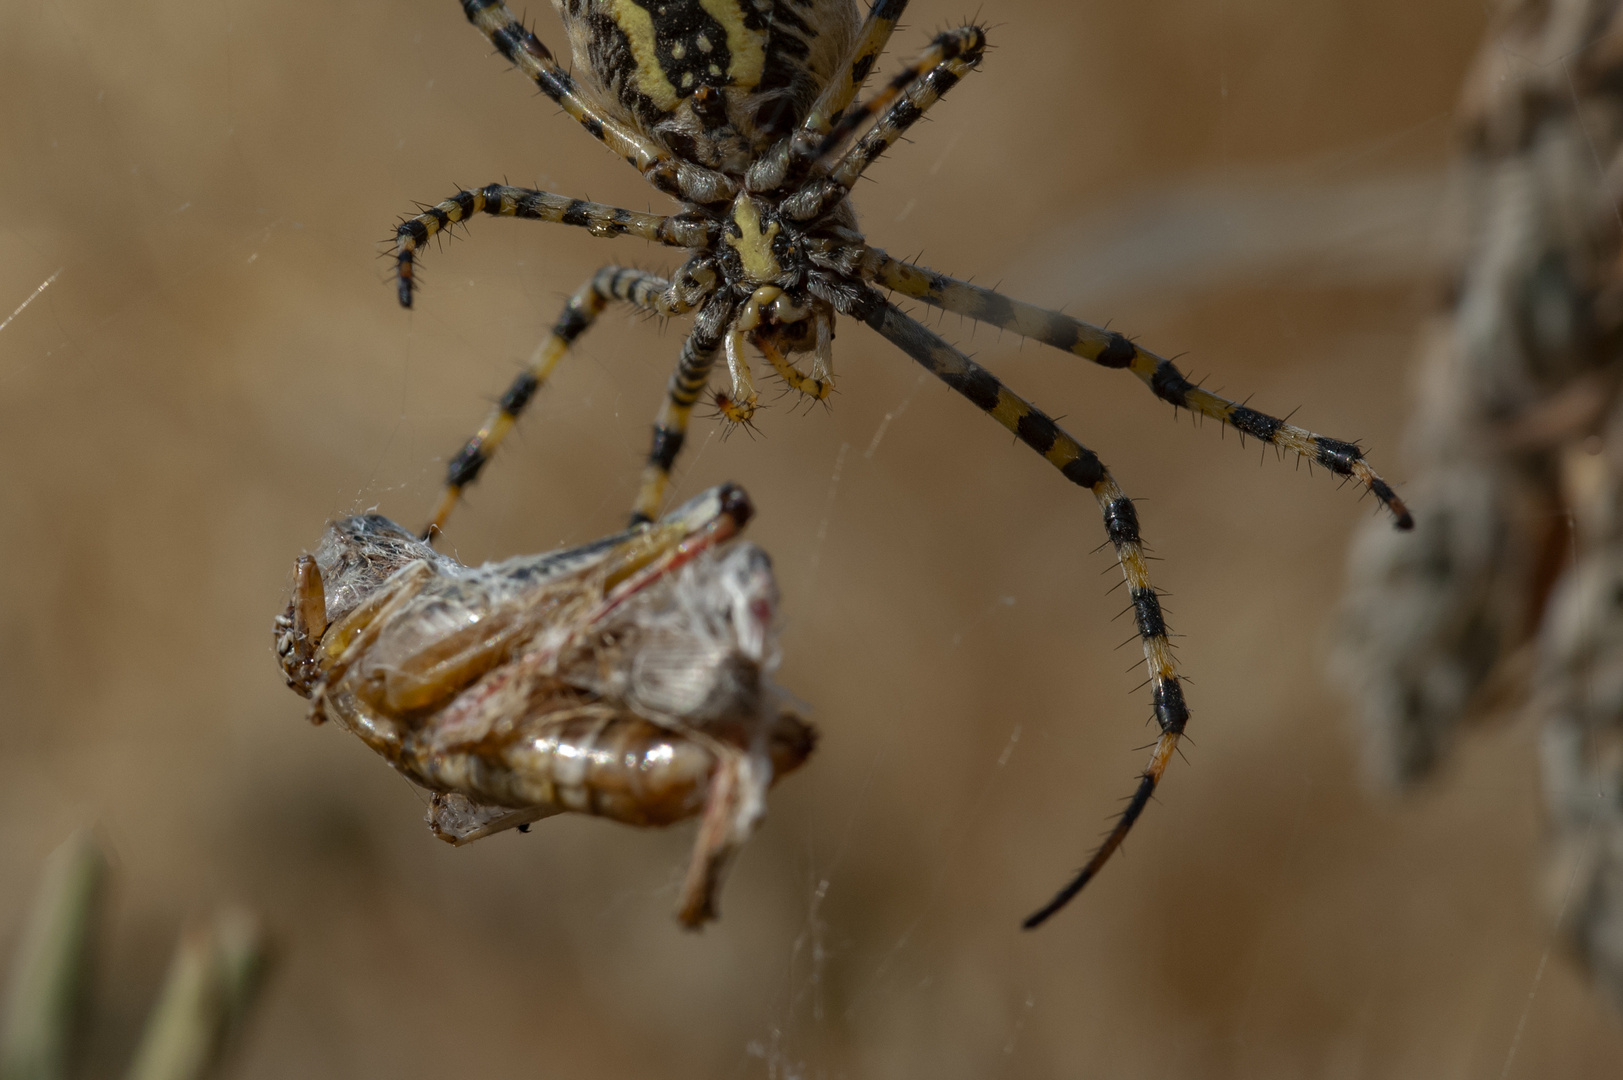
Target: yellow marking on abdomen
[(748, 47), (638, 26)]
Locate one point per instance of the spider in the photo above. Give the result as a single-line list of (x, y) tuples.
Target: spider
[(742, 111)]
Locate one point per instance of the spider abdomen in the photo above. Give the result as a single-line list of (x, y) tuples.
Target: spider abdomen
[(714, 82)]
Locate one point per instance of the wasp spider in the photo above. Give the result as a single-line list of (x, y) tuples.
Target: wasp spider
[(742, 111)]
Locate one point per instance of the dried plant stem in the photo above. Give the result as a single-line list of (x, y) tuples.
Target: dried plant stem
[(213, 980), (48, 977)]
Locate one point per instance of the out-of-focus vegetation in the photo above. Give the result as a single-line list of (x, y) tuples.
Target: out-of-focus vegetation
[(214, 978), (1509, 597)]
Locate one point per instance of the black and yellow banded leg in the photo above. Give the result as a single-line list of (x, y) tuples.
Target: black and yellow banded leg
[(636, 287), (844, 87), (524, 51), (1113, 350), (687, 384), (902, 114), (962, 42), (1079, 465), (787, 163), (501, 200), (810, 386), (819, 193)]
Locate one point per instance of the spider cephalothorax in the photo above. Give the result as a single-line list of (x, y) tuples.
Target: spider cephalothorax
[(742, 110)]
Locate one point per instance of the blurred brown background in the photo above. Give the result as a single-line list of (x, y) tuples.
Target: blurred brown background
[(220, 366)]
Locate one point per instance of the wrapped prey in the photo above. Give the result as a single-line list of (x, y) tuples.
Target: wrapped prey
[(628, 678)]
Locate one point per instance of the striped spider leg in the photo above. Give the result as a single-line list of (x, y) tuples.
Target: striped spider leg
[(789, 160), (962, 47), (1113, 350), (628, 678), (687, 289), (1082, 467), (827, 123), (926, 88), (672, 175), (682, 392), (502, 200), (1109, 349), (898, 106), (871, 40)]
